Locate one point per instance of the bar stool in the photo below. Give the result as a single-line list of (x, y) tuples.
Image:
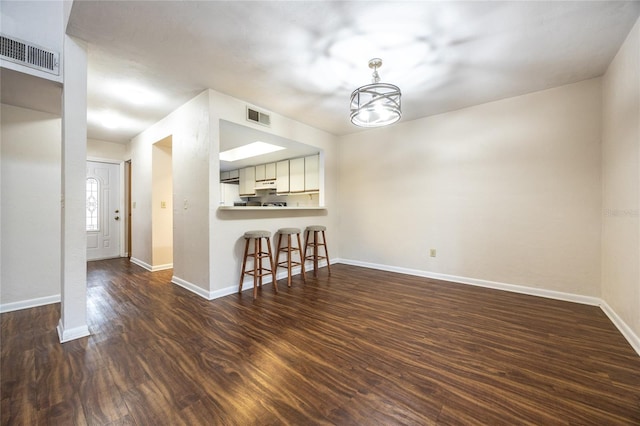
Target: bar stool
[(315, 243), (289, 250), (258, 255)]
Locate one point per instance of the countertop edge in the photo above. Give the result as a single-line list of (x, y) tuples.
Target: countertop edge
[(258, 208)]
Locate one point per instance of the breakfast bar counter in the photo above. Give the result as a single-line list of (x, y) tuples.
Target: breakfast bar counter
[(268, 208)]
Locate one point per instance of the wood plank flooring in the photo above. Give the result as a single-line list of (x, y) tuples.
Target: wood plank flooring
[(361, 347)]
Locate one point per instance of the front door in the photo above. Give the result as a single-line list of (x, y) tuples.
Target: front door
[(104, 214)]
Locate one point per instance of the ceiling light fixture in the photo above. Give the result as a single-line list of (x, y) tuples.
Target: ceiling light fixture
[(376, 104)]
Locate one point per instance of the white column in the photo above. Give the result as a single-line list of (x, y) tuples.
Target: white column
[(73, 310)]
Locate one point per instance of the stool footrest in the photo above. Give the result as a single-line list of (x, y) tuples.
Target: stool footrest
[(286, 264), (259, 255), (312, 258), (288, 250), (260, 273)]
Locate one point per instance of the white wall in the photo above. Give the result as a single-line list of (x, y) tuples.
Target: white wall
[(30, 167), (228, 227), (188, 127), (507, 191), (98, 149), (621, 183)]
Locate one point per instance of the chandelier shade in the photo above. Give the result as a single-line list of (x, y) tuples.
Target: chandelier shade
[(376, 104)]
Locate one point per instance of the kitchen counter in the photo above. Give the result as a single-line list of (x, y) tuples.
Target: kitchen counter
[(270, 208)]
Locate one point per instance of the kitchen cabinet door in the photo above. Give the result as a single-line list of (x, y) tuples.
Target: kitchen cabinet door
[(270, 171), (260, 172), (230, 176), (296, 175), (312, 173), (248, 181), (282, 176)]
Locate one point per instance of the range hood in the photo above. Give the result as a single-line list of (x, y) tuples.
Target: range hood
[(266, 185)]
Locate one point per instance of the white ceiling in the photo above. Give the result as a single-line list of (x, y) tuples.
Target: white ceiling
[(302, 59)]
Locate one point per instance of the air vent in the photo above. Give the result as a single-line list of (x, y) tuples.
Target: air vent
[(30, 55), (258, 117)]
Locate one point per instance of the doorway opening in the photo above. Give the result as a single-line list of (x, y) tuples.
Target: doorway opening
[(162, 205)]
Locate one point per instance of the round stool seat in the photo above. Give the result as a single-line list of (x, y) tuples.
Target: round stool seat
[(257, 234), (288, 231), (313, 228)]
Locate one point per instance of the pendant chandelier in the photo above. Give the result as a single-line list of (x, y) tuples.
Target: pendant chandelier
[(376, 104)]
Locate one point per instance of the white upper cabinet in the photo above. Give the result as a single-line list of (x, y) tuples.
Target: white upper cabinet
[(265, 172), (270, 171), (291, 176), (248, 181), (282, 176), (296, 175), (260, 172), (312, 173), (231, 175)]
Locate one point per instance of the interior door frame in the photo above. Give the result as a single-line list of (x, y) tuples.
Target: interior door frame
[(127, 204), (121, 201)]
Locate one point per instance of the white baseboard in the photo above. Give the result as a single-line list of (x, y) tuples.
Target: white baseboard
[(164, 267), (532, 291), (93, 259), (72, 333), (626, 331), (31, 303), (140, 263), (248, 282), (151, 268), (191, 287), (215, 294), (246, 285), (225, 291)]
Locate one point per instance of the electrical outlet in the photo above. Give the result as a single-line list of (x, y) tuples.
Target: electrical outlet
[(432, 252), (163, 204)]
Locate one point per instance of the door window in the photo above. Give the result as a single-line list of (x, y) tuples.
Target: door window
[(92, 204)]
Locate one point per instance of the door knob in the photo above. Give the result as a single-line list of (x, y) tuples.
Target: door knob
[(117, 211), (117, 218)]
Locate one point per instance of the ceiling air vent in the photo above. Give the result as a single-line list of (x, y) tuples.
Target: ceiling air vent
[(28, 54), (258, 117)]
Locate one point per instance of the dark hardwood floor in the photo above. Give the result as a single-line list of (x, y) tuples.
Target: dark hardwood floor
[(362, 347)]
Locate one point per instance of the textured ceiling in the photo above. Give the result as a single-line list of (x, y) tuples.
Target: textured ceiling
[(303, 59)]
